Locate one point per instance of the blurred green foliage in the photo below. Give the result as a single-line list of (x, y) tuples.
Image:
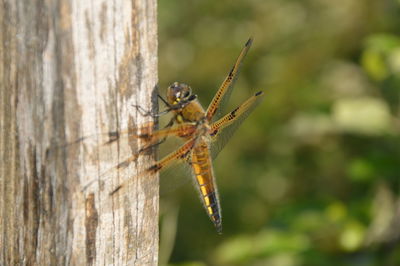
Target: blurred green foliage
[(312, 177)]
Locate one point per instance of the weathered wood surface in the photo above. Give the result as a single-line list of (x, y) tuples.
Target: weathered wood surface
[(71, 69)]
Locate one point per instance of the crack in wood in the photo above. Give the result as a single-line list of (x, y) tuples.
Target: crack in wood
[(91, 223)]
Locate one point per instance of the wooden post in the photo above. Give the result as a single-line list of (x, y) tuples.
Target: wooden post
[(71, 69)]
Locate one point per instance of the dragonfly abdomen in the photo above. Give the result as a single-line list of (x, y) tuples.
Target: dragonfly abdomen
[(203, 171)]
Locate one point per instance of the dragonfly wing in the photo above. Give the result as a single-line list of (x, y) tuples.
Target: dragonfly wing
[(173, 158), (153, 137), (223, 129), (110, 138), (225, 90), (173, 177)]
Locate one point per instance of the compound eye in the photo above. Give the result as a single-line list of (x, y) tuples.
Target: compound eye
[(188, 92), (177, 91)]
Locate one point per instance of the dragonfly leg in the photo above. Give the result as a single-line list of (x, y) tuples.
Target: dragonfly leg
[(145, 112), (170, 108), (163, 100)]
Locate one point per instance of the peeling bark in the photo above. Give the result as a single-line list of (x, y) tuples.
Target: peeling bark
[(73, 69)]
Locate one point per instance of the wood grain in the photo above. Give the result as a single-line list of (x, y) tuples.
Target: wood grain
[(71, 69)]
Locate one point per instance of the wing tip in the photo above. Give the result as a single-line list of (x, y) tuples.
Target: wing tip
[(249, 41), (259, 93)]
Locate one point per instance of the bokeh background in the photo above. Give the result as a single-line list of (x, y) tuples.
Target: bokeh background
[(312, 176)]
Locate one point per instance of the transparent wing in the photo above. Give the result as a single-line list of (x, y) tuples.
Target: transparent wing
[(225, 90), (153, 137), (223, 129), (149, 140), (172, 158), (175, 176), (111, 137)]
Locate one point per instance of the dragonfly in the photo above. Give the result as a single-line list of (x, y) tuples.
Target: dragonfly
[(203, 131)]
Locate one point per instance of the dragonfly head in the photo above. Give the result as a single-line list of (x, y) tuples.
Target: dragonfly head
[(178, 93)]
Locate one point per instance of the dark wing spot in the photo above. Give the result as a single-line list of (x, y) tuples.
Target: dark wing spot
[(233, 113), (154, 168), (230, 76), (183, 156), (216, 109), (214, 133), (249, 42), (144, 136), (259, 93)]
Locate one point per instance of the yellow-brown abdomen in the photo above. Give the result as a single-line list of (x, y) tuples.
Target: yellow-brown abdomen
[(203, 171)]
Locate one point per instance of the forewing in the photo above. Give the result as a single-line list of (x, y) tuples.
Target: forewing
[(223, 129), (147, 134), (225, 90), (112, 137)]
